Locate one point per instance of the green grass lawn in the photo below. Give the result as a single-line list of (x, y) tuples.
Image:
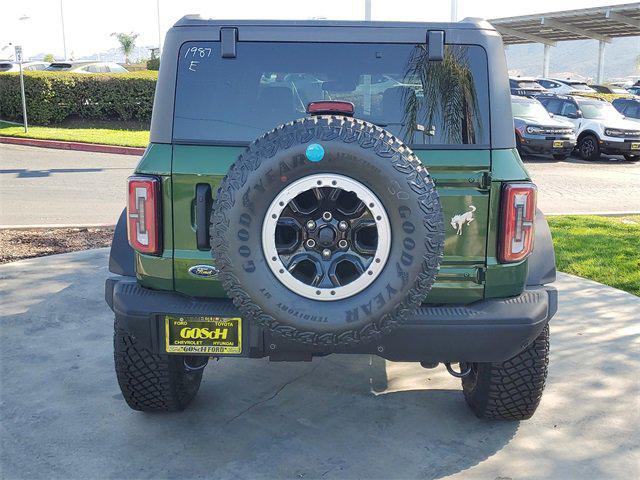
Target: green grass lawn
[(604, 249), (89, 132)]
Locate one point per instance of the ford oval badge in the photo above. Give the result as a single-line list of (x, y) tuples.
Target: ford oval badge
[(203, 271)]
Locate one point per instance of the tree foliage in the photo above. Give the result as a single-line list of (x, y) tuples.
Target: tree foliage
[(127, 43), (52, 97)]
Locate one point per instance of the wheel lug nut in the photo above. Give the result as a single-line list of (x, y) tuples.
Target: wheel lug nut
[(342, 244), (343, 225), (311, 225), (311, 243), (326, 253), (326, 216)]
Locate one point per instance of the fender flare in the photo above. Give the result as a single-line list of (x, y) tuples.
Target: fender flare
[(121, 257), (542, 262), (585, 132)]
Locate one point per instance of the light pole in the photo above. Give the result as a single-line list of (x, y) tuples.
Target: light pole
[(159, 34), (367, 10), (454, 10), (20, 59), (64, 40)]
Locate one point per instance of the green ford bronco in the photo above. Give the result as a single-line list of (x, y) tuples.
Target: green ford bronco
[(332, 187)]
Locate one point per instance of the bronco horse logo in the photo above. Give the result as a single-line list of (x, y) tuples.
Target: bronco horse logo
[(457, 221)]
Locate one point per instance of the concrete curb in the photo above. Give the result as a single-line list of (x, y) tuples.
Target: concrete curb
[(63, 145), (597, 214), (61, 225)]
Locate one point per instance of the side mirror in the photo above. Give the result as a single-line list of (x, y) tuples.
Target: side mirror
[(551, 115)]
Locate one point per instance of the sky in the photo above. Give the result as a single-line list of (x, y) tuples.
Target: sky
[(89, 23)]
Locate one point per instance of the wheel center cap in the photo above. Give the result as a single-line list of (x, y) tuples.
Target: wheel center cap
[(326, 236)]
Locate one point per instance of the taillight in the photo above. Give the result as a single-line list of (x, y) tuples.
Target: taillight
[(517, 217), (143, 214)]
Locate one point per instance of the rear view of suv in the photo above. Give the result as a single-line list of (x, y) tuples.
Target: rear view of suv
[(316, 188)]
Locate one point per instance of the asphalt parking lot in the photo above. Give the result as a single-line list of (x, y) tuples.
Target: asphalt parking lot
[(578, 186), (45, 186), (62, 415), (48, 186)]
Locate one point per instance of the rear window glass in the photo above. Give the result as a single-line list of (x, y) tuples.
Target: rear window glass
[(59, 66), (529, 85), (235, 100)]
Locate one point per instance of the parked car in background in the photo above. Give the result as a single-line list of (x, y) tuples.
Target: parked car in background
[(87, 67), (629, 107), (599, 126), (11, 66), (564, 87), (609, 89), (634, 90), (538, 132), (525, 86)]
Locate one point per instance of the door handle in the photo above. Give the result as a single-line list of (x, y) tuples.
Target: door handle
[(203, 212)]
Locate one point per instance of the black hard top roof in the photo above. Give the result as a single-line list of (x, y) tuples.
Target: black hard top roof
[(198, 21)]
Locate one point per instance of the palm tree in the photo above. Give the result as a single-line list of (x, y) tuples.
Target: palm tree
[(127, 43), (449, 95)]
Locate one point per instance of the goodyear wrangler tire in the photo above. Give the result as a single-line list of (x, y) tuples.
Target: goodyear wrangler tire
[(327, 231), (510, 390), (150, 382)]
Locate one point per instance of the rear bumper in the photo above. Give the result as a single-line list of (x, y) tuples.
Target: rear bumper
[(486, 331)]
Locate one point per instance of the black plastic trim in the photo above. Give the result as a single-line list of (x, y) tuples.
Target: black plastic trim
[(228, 39), (486, 331), (435, 43), (542, 261), (203, 213), (121, 256)]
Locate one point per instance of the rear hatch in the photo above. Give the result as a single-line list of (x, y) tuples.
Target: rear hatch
[(441, 109)]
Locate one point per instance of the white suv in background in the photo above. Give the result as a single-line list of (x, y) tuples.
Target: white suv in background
[(600, 128), (564, 87)]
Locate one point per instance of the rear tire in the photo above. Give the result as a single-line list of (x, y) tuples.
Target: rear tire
[(151, 382), (632, 158), (589, 148), (519, 147), (509, 390)]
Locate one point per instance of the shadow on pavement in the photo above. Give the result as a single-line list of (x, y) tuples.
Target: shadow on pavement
[(336, 417), (24, 173)]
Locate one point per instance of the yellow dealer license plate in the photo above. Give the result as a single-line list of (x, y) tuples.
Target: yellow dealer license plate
[(209, 335), (558, 143), (635, 146)]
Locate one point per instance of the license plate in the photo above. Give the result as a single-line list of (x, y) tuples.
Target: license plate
[(635, 146), (209, 335), (558, 144)]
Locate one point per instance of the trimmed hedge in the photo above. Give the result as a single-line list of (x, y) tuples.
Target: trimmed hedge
[(153, 63), (52, 97)]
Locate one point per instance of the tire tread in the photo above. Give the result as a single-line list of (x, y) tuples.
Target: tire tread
[(511, 390), (150, 382)]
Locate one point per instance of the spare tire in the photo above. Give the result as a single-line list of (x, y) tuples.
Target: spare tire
[(327, 231)]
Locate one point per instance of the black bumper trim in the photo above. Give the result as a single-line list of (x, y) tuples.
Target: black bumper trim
[(491, 330), (543, 146)]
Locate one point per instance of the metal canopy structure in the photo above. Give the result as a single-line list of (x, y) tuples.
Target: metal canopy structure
[(601, 24)]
